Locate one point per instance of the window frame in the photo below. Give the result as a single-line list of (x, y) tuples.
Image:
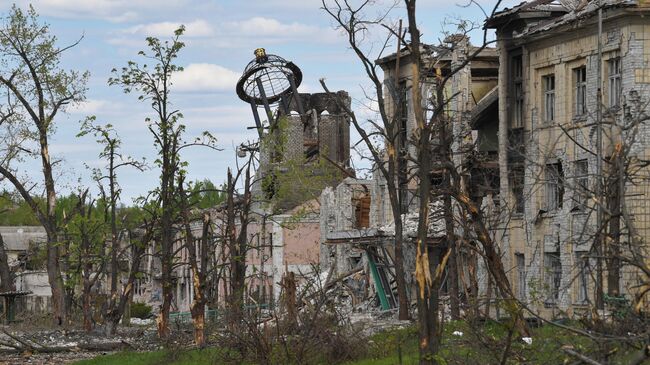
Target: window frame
[(548, 88), (517, 73), (553, 277), (580, 184), (583, 283), (521, 275), (614, 84), (580, 91), (553, 186)]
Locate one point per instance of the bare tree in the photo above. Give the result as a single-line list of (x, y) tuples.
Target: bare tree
[(154, 85), (351, 20), (110, 195)]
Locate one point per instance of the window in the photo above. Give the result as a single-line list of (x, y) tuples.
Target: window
[(517, 182), (614, 90), (581, 185), (518, 87), (580, 82), (554, 186), (583, 267), (362, 212), (521, 276), (549, 97), (553, 269), (516, 162)]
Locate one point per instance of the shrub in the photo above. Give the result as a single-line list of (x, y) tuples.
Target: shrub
[(140, 310)]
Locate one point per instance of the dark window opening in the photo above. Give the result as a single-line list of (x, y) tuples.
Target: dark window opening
[(549, 97), (581, 185), (580, 85), (362, 212), (517, 186), (521, 275), (554, 186), (615, 87), (583, 268), (517, 73), (553, 268)]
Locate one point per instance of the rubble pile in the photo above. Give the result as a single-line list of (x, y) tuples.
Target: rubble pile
[(65, 346)]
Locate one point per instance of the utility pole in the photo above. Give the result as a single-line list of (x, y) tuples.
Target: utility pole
[(599, 166)]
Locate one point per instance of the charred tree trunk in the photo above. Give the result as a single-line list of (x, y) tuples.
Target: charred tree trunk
[(427, 265), (198, 262)]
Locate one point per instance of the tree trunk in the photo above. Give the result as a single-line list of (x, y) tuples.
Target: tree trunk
[(56, 282), (198, 320), (400, 273), (163, 317), (87, 312)]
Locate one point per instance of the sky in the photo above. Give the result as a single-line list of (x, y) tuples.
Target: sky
[(220, 38)]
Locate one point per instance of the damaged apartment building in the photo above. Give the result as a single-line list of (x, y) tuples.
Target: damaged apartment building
[(572, 99), (531, 108)]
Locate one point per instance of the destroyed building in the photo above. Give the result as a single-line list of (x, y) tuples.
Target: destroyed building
[(356, 216), (303, 146), (21, 244), (530, 108), (554, 73)]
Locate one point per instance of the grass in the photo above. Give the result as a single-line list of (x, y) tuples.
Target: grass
[(383, 348), (189, 357)]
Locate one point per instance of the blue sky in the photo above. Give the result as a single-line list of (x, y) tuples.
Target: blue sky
[(220, 39)]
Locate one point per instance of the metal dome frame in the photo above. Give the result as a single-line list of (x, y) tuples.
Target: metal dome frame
[(266, 80)]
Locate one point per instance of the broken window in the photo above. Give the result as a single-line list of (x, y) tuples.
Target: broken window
[(521, 276), (581, 185), (362, 212), (549, 97), (583, 267), (518, 88), (580, 82), (554, 186), (517, 186), (553, 268), (615, 89)]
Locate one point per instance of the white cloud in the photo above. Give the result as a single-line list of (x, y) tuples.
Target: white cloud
[(205, 77), (111, 10), (269, 28), (197, 28), (90, 106)]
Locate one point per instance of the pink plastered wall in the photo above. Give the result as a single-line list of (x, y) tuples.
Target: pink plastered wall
[(301, 244)]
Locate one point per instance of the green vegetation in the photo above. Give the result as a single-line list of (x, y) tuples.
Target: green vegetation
[(293, 178), (170, 357), (15, 212), (479, 344), (140, 310)]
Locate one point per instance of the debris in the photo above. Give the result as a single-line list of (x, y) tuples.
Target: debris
[(528, 340)]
